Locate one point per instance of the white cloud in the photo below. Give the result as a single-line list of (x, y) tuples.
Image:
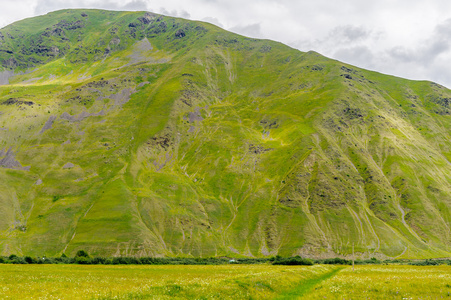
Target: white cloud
[(45, 6), (251, 30), (212, 20)]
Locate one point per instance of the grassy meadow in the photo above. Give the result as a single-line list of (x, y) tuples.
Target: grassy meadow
[(224, 282)]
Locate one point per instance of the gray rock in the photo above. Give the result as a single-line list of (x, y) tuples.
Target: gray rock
[(48, 124), (9, 161), (68, 166), (5, 76), (81, 116), (180, 33)]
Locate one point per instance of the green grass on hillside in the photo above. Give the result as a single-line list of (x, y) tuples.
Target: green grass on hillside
[(132, 133)]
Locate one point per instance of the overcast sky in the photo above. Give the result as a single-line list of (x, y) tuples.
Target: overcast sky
[(407, 38)]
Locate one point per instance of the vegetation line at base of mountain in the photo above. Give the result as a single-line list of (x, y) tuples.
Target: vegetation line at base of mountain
[(83, 258)]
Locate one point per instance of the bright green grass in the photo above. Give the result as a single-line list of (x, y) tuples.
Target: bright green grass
[(386, 282), (152, 282), (224, 282), (285, 155)]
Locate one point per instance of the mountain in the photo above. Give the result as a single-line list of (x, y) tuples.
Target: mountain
[(132, 133)]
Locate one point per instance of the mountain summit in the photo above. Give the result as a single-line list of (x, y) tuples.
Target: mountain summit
[(132, 133)]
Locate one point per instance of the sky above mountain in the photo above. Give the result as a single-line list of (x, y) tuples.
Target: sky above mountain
[(407, 38)]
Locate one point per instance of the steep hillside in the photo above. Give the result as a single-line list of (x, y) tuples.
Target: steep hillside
[(131, 133)]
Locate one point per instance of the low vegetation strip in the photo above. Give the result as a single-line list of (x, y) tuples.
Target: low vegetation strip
[(83, 258)]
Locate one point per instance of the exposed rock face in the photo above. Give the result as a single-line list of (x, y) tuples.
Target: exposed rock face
[(54, 50), (80, 117), (10, 63), (70, 25), (48, 124), (147, 18), (12, 101), (180, 33), (42, 50), (115, 41), (54, 32), (5, 76), (9, 161), (69, 165)]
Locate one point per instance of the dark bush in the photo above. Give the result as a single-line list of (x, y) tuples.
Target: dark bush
[(48, 260), (29, 260), (427, 262), (334, 261), (82, 260), (98, 260), (293, 261), (18, 260), (82, 253), (147, 260), (126, 261)]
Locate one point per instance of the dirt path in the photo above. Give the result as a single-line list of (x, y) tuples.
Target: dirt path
[(306, 286)]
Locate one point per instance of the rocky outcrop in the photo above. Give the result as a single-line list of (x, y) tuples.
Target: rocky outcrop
[(70, 25), (48, 124), (68, 166), (5, 76), (9, 161), (115, 41), (81, 116), (147, 18), (12, 101), (10, 63), (54, 32), (180, 33)]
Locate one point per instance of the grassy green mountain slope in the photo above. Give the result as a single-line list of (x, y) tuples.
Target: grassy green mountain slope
[(131, 133)]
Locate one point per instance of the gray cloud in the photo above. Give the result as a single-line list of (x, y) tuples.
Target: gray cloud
[(137, 5), (175, 13), (212, 20), (349, 34), (426, 51), (45, 6), (359, 55), (444, 28), (401, 54), (252, 30), (184, 14)]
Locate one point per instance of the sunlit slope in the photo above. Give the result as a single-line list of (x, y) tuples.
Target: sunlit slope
[(138, 134)]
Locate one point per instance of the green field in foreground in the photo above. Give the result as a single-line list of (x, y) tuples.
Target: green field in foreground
[(224, 282)]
